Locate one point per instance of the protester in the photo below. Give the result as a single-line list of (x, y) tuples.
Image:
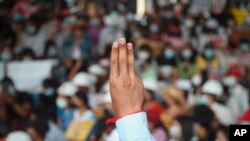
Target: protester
[(51, 51)]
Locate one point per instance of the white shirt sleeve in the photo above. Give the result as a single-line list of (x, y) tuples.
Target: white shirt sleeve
[(134, 128)]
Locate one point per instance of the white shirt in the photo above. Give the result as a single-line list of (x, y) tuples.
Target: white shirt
[(88, 115), (223, 114)]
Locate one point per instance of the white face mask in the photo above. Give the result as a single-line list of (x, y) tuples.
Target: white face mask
[(196, 80), (175, 132), (167, 70), (143, 55), (61, 103)]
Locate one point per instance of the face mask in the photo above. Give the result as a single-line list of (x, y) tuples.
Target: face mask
[(189, 23), (203, 100), (143, 55), (49, 92), (61, 103), (153, 28), (169, 54), (174, 132), (186, 54), (137, 34), (111, 29), (166, 70), (196, 80), (18, 17), (209, 53), (130, 17), (169, 14), (11, 90), (30, 29), (95, 22), (6, 56)]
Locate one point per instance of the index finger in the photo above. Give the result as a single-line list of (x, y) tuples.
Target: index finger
[(114, 60)]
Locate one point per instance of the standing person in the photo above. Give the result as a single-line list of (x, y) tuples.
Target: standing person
[(127, 94)]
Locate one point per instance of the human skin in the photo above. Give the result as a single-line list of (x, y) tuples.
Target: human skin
[(126, 88)]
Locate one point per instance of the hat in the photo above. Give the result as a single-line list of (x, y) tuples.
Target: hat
[(18, 136), (150, 84), (229, 81), (84, 79), (213, 87), (67, 89), (97, 70), (183, 84), (175, 93), (212, 23)]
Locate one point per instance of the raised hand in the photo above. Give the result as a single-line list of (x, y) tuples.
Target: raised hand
[(126, 88)]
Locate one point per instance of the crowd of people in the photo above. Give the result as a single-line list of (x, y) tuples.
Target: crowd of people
[(192, 56)]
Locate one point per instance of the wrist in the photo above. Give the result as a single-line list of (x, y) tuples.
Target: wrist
[(113, 120), (124, 112)]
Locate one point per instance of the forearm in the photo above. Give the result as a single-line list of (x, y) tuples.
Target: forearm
[(134, 128)]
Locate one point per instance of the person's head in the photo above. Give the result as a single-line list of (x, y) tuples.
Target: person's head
[(6, 53), (38, 129), (78, 30), (209, 52), (145, 53), (206, 122), (80, 100), (27, 54), (212, 90), (168, 52), (65, 93), (48, 87), (187, 54), (84, 81), (8, 86)]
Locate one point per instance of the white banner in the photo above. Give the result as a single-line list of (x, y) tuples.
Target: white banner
[(29, 75)]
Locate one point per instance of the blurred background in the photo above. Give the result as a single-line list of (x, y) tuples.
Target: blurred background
[(193, 57)]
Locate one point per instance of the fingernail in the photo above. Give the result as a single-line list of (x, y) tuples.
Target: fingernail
[(122, 41), (130, 46), (115, 45)]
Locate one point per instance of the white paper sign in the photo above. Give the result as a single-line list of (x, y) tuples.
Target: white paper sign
[(29, 75)]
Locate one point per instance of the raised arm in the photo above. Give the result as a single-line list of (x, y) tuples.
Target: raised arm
[(127, 94)]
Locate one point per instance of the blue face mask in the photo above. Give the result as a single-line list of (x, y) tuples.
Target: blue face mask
[(95, 22), (6, 57), (169, 54), (153, 28), (49, 92), (11, 90), (203, 100), (30, 29), (18, 17), (186, 54), (209, 53)]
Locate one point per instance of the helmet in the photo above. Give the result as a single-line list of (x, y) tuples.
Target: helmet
[(67, 89), (84, 79), (212, 87)]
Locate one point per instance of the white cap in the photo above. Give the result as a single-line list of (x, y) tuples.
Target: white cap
[(97, 70), (150, 84), (84, 79), (67, 89), (212, 23), (229, 81), (213, 87), (183, 84), (18, 136)]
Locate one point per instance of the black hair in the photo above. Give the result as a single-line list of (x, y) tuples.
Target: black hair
[(40, 126), (83, 97)]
